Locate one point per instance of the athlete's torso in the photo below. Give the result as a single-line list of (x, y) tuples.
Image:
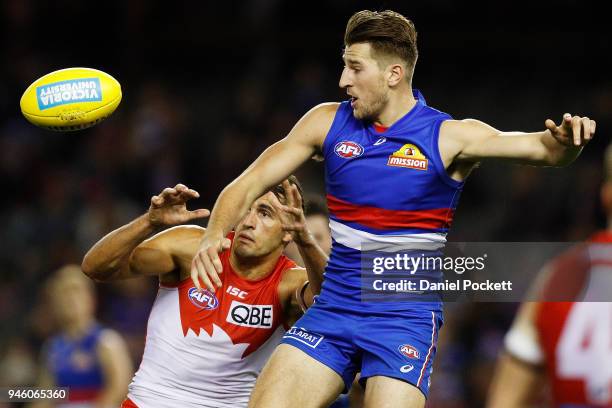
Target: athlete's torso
[(205, 349), (74, 363), (576, 337), (388, 187)]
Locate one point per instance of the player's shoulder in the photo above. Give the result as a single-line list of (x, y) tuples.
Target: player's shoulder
[(292, 278), (323, 112), (182, 232)]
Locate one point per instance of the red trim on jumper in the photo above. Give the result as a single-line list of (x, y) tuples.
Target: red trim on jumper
[(380, 128), (83, 394), (381, 218), (128, 403)]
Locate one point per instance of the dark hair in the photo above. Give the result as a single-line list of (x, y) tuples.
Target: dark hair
[(316, 206), (281, 194), (389, 33)]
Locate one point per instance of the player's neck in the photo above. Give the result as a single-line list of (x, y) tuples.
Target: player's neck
[(77, 328), (399, 104), (254, 268)]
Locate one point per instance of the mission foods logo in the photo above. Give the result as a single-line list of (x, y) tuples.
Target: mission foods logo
[(64, 92), (408, 156)]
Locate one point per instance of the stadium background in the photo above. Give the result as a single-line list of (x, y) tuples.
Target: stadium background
[(207, 86)]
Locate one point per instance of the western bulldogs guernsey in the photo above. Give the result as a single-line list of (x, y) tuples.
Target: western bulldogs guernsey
[(387, 189), (74, 363), (207, 349)]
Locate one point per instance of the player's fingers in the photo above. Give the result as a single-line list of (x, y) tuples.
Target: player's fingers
[(156, 201), (180, 187), (226, 243), (216, 266), (168, 191), (200, 213), (208, 270), (289, 197), (586, 128), (567, 120), (593, 125), (576, 130), (550, 125), (297, 198), (195, 272)]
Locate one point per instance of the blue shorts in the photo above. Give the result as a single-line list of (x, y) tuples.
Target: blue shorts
[(399, 345)]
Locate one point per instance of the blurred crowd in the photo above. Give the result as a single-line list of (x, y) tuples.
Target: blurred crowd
[(207, 88)]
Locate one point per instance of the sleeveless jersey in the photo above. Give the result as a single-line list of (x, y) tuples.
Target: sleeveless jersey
[(383, 188), (207, 349), (75, 364), (576, 337)]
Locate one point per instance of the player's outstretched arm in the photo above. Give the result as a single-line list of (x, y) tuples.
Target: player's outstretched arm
[(109, 259), (275, 164), (472, 141)]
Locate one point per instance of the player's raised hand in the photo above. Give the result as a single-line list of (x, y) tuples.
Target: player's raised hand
[(573, 130), (206, 264), (169, 207), (292, 215)]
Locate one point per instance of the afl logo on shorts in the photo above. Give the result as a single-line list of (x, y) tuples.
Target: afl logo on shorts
[(348, 150), (408, 351), (204, 300)]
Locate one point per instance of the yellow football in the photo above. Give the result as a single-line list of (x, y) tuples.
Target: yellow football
[(71, 99)]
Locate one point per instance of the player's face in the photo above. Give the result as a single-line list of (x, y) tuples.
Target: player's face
[(364, 81), (260, 232), (319, 227), (72, 300)]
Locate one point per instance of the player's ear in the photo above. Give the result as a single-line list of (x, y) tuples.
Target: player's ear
[(395, 74)]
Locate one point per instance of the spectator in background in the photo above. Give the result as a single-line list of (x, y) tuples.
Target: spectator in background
[(91, 360)]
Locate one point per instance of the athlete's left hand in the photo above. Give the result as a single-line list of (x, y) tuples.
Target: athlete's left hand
[(292, 215), (573, 131)]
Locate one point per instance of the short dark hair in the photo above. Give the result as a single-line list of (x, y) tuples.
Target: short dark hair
[(281, 194), (389, 33), (315, 205)]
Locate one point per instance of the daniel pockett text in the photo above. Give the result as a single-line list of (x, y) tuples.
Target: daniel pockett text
[(421, 273)]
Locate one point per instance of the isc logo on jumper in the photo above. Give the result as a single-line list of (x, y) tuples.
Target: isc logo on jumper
[(348, 150), (242, 314), (408, 351), (408, 156), (63, 92), (203, 300), (303, 336)]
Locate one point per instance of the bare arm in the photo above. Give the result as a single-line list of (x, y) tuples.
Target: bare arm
[(472, 141), (110, 258), (116, 367), (274, 165), (518, 375)]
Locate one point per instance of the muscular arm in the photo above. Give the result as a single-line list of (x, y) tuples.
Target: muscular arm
[(109, 258), (471, 140), (126, 252), (274, 165)]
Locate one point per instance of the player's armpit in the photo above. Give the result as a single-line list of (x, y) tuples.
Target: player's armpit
[(471, 140)]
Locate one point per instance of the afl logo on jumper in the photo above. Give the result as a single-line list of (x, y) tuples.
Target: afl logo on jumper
[(203, 300), (348, 150), (408, 156)]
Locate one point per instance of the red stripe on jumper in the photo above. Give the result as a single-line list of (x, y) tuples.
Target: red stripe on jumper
[(381, 218)]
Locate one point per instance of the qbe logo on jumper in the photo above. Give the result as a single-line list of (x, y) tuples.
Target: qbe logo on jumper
[(71, 91)]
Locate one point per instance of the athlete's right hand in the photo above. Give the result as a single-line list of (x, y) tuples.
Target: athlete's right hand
[(169, 208), (206, 265)]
